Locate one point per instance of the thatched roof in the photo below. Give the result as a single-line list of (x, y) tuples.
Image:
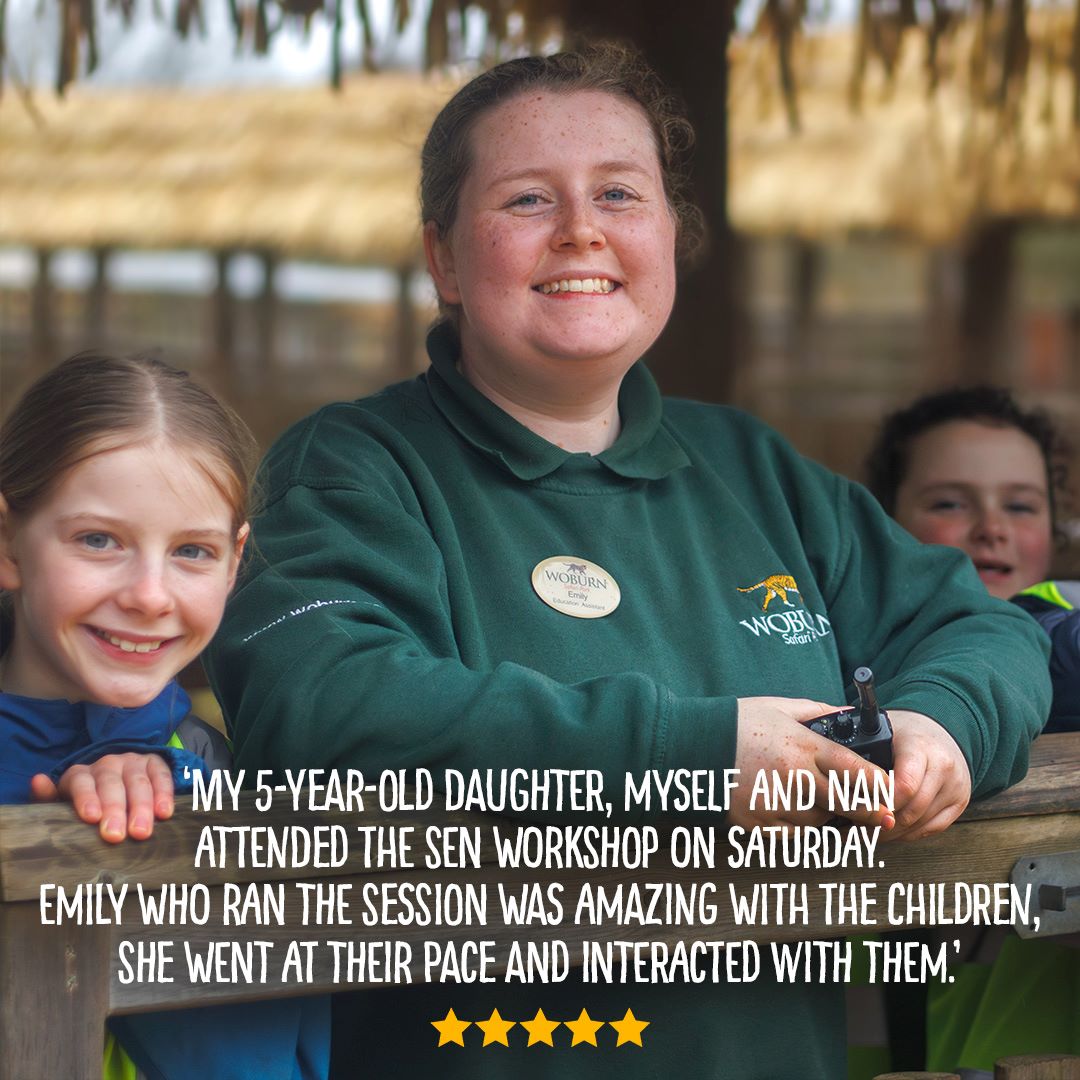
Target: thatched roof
[(931, 165), (313, 173), (308, 172)]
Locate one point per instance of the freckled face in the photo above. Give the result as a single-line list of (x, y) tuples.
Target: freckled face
[(981, 488), (563, 249), (119, 577)]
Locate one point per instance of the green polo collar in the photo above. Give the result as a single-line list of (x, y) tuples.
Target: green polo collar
[(644, 450)]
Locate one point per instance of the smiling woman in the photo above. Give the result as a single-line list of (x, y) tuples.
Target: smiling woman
[(527, 559), (561, 261)]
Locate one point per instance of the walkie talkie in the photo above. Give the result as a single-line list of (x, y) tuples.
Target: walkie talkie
[(864, 728)]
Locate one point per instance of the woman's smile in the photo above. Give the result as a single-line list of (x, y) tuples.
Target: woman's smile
[(577, 286)]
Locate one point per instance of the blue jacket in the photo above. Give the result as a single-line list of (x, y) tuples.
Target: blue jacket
[(1055, 605), (38, 735), (287, 1039)]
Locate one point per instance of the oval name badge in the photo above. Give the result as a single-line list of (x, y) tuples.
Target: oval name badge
[(576, 587)]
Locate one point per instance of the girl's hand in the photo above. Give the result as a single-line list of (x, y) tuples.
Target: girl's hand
[(121, 792), (933, 782), (772, 738)]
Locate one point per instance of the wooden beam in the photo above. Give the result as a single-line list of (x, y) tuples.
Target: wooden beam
[(941, 362), (970, 852), (223, 326), (96, 309), (64, 966), (804, 290), (44, 842), (987, 303), (403, 360), (1038, 1067), (266, 316), (42, 329)]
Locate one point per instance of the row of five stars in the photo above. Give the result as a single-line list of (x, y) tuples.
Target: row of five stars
[(540, 1029)]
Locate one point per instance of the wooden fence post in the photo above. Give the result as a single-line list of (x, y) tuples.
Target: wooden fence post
[(1038, 1067), (60, 976), (916, 1076)]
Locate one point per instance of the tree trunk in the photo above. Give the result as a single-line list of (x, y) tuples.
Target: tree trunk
[(697, 354)]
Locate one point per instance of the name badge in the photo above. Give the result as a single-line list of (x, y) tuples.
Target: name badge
[(576, 587)]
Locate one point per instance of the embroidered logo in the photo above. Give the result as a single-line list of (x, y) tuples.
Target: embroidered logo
[(799, 626), (774, 585), (314, 605)]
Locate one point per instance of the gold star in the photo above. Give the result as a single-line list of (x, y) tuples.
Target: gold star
[(629, 1028), (495, 1028), (584, 1028), (451, 1030), (540, 1028)]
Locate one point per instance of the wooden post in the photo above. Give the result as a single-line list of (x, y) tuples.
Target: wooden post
[(56, 996), (804, 286), (1072, 334), (403, 361), (1038, 1067), (916, 1076), (42, 337), (942, 357), (986, 311), (266, 317), (708, 335), (94, 319), (224, 327)]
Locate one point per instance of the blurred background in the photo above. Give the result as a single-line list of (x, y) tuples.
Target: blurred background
[(892, 189)]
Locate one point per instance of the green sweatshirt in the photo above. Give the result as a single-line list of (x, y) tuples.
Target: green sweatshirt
[(390, 621)]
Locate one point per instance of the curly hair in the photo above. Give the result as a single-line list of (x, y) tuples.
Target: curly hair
[(889, 457)]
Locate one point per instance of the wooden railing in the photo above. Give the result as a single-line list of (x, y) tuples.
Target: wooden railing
[(58, 983)]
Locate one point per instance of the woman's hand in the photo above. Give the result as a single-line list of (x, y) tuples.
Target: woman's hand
[(933, 782), (122, 793), (771, 737)]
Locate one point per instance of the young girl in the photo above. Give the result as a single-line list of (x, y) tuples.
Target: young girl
[(123, 515)]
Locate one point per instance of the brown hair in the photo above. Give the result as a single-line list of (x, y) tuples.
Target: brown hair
[(890, 456), (91, 403), (446, 158)]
